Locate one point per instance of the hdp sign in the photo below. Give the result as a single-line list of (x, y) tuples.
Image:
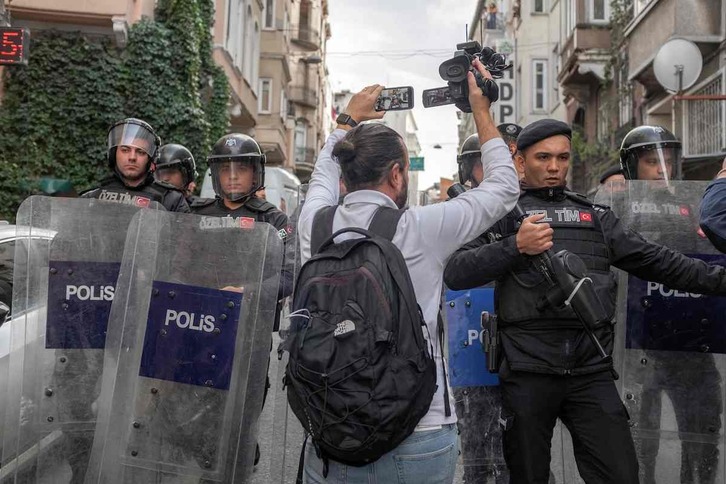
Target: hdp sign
[(14, 45)]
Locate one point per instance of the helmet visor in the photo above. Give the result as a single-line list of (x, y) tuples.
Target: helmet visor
[(466, 167), (130, 134), (236, 178), (658, 164)]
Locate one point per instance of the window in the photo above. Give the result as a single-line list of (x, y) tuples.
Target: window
[(283, 105), (234, 42), (300, 142), (251, 50), (603, 123), (269, 14), (599, 11), (538, 6), (570, 13), (264, 101), (555, 72), (539, 85)]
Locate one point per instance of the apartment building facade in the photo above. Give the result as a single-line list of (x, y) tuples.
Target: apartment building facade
[(272, 52)]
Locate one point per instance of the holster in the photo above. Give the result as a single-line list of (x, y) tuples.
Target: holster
[(492, 345)]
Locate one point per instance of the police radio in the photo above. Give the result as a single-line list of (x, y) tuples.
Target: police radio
[(570, 286)]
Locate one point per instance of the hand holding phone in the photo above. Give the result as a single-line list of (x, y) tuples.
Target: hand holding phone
[(395, 99)]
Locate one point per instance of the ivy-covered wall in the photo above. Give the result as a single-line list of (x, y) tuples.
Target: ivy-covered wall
[(55, 112)]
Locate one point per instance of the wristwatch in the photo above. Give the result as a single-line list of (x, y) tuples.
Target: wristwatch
[(344, 118)]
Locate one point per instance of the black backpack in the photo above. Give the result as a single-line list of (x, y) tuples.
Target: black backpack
[(360, 374)]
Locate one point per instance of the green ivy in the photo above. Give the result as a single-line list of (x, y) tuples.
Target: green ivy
[(55, 112)]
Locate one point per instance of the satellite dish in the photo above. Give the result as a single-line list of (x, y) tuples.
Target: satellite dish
[(678, 64)]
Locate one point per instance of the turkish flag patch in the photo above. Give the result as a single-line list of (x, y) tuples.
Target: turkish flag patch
[(685, 211), (586, 216), (246, 222), (143, 202)]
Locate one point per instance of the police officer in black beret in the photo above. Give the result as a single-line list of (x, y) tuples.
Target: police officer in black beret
[(550, 368), (510, 133)]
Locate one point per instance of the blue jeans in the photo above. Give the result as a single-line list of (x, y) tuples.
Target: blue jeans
[(427, 457)]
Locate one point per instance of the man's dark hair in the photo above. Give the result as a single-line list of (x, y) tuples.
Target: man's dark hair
[(367, 153)]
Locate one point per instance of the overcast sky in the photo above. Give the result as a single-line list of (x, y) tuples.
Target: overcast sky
[(368, 39)]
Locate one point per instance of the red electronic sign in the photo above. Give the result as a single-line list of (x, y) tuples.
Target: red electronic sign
[(13, 45)]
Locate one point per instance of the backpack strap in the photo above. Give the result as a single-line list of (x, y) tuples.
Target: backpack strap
[(385, 222), (322, 228)]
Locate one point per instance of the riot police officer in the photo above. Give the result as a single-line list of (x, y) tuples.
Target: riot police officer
[(176, 167), (649, 153), (550, 368), (133, 148), (238, 171)]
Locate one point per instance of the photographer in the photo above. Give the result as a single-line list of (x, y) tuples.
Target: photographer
[(374, 164), (713, 210), (550, 368)]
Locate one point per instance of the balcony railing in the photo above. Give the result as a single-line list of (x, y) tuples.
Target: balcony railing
[(704, 121), (305, 156), (306, 37), (304, 95)]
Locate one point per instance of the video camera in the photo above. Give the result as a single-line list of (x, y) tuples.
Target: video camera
[(454, 71)]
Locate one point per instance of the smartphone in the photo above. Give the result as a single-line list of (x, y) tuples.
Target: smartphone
[(440, 96), (395, 99)]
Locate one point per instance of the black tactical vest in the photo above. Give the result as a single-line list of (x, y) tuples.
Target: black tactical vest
[(577, 229)]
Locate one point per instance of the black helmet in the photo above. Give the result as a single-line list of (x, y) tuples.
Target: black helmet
[(642, 139), (469, 154), (133, 132), (173, 156), (238, 148)]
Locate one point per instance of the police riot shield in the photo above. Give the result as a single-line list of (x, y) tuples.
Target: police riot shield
[(67, 258), (670, 343), (478, 397), (187, 351)]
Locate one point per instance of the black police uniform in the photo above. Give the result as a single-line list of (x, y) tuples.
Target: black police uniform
[(260, 211), (697, 402), (551, 369), (113, 189)]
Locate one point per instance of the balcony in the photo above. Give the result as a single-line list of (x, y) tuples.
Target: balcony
[(656, 22), (304, 95), (304, 162), (306, 38)]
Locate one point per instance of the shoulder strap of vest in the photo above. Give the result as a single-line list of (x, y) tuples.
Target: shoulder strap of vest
[(259, 205), (202, 202), (322, 228), (385, 222), (580, 198)]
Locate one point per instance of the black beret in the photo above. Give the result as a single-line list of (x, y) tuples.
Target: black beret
[(542, 129), (509, 129)]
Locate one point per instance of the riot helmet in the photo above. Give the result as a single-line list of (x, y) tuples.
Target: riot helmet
[(469, 154), (238, 167), (176, 157), (135, 133), (649, 153)]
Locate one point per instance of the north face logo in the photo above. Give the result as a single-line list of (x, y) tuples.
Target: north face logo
[(344, 327)]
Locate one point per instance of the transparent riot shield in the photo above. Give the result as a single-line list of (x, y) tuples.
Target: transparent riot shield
[(479, 400), (187, 351), (670, 343), (67, 258)]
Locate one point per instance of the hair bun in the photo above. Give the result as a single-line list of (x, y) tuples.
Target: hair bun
[(344, 150)]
